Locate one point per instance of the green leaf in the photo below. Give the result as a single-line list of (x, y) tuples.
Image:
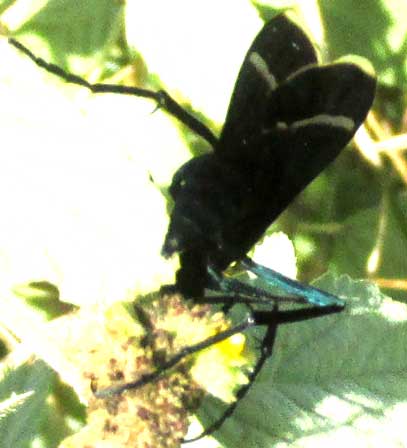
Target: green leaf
[(361, 235), (9, 405), (332, 381), (379, 38), (18, 428), (81, 29)]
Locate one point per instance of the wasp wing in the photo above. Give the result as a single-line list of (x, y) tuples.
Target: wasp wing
[(308, 120), (280, 49)]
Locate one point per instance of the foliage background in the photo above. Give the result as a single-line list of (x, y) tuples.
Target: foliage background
[(83, 223)]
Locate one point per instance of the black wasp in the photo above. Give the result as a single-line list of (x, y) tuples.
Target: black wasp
[(288, 119)]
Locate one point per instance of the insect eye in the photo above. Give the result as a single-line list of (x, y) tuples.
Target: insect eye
[(178, 183)]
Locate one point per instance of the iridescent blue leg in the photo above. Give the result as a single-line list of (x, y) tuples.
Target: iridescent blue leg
[(310, 294)]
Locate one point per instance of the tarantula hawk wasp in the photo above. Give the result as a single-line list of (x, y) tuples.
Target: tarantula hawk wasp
[(287, 120)]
